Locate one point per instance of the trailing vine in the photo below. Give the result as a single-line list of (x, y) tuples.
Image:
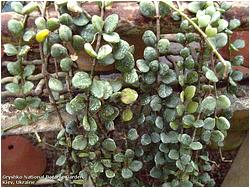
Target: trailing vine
[(156, 119)]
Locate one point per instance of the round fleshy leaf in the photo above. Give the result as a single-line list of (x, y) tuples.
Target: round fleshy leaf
[(111, 23), (53, 24), (65, 33), (111, 37), (15, 27), (104, 51), (66, 64), (145, 139), (61, 160), (13, 88), (163, 46), (192, 107), (223, 102), (147, 8), (58, 51), (14, 68), (142, 66), (132, 134), (30, 7), (20, 103), (128, 96), (55, 84), (222, 123), (196, 146), (149, 38), (135, 165), (10, 49), (79, 142), (127, 173), (127, 115), (189, 92), (209, 103), (42, 35), (97, 22), (81, 80), (109, 144)]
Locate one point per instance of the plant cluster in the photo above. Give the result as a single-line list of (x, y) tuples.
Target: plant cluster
[(155, 119)]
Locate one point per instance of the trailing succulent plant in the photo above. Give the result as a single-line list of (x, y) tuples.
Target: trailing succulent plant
[(157, 118)]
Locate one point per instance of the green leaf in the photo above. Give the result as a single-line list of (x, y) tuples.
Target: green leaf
[(53, 24), (98, 167), (79, 142), (76, 104), (189, 92), (238, 44), (93, 138), (128, 96), (97, 22), (24, 50), (173, 154), (211, 31), (192, 107), (66, 19), (88, 33), (222, 25), (131, 77), (27, 87), (126, 64), (222, 123), (73, 6), (185, 139), (28, 70), (55, 84), (164, 91), (111, 23), (132, 134), (209, 103), (210, 75), (127, 173), (164, 148), (147, 8), (145, 139), (66, 64), (233, 24), (196, 146), (65, 33), (121, 50), (150, 54), (217, 136), (20, 103), (109, 173), (40, 23), (169, 77), (111, 37), (194, 7), (14, 68), (142, 66), (81, 80), (209, 123), (155, 137), (188, 119), (29, 35), (58, 51), (15, 27), (237, 75), (97, 88), (109, 144), (169, 115), (159, 122), (10, 49), (223, 102), (127, 115), (135, 165), (30, 7), (198, 123), (204, 20), (163, 46), (61, 160), (17, 7), (119, 157), (159, 158), (155, 103), (104, 51), (149, 38), (219, 40), (89, 49), (13, 88), (156, 172)]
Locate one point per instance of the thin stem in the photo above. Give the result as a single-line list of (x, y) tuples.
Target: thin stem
[(158, 17), (214, 50)]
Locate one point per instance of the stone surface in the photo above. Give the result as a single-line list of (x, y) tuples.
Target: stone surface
[(238, 175)]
